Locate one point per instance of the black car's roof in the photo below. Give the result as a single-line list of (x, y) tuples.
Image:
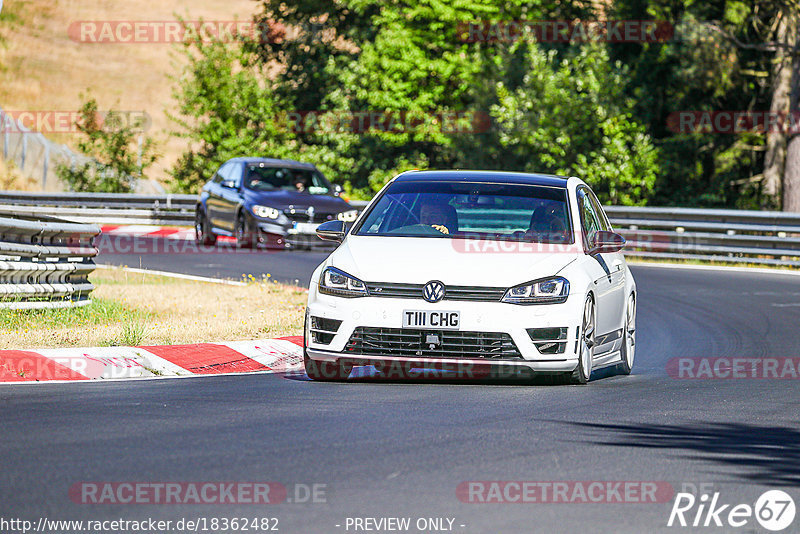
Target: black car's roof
[(275, 162), (485, 176)]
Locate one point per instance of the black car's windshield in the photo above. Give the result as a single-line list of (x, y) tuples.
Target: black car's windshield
[(460, 209), (264, 178)]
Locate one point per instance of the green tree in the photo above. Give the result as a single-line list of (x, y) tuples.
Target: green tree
[(700, 69), (227, 108), (407, 60), (570, 116), (116, 163)]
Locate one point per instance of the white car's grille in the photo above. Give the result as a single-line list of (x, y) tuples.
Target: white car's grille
[(431, 343), (414, 291)]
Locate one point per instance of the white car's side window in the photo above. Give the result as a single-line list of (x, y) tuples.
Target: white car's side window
[(590, 222), (598, 209)]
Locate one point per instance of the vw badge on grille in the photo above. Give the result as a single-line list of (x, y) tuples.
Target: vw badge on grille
[(433, 291)]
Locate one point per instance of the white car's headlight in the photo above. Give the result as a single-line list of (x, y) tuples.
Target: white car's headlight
[(341, 284), (348, 216), (553, 290), (265, 212)]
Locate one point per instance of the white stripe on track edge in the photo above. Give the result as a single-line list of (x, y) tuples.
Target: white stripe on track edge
[(174, 275), (723, 268)]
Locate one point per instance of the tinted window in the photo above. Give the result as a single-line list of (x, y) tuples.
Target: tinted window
[(260, 178), (227, 172), (483, 210)]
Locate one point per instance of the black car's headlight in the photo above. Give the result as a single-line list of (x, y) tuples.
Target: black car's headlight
[(265, 212), (348, 216), (554, 290), (336, 282)]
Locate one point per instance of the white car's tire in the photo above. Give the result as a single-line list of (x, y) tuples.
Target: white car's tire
[(583, 371), (629, 336)]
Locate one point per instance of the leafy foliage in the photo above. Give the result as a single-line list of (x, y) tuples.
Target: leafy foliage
[(227, 108), (598, 111), (109, 141), (570, 117)]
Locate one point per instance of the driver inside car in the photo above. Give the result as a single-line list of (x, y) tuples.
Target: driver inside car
[(300, 182), (547, 223), (442, 217)]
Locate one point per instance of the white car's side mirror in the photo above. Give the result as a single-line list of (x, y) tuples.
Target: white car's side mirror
[(332, 231), (605, 242)]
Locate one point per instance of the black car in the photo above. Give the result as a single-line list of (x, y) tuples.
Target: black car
[(266, 201)]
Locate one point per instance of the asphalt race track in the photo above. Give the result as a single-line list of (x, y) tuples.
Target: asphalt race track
[(392, 449), (222, 261)]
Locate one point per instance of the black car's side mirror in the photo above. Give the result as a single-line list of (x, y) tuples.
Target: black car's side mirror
[(228, 184), (605, 241), (337, 190), (332, 231)]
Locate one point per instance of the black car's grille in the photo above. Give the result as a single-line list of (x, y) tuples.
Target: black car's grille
[(302, 216), (421, 343), (474, 293)]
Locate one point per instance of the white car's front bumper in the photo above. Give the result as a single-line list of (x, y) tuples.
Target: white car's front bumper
[(475, 317)]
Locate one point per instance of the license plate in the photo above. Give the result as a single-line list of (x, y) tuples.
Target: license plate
[(438, 320), (304, 228)]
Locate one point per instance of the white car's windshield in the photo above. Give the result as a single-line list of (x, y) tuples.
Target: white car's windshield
[(471, 209)]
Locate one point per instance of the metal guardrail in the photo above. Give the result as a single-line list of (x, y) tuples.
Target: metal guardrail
[(45, 262), (104, 208), (761, 237), (738, 236)]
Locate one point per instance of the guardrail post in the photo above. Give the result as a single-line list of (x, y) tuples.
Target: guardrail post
[(24, 150), (46, 161), (5, 134)]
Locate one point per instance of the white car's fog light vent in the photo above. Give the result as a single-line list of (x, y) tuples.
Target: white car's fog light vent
[(323, 330), (548, 340), (551, 347), (431, 343), (547, 334)]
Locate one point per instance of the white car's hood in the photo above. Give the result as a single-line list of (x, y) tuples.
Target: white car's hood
[(452, 261)]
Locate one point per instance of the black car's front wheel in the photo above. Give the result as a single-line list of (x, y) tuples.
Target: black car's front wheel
[(243, 234), (202, 230)]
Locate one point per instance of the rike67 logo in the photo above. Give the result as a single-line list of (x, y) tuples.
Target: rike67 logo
[(774, 510)]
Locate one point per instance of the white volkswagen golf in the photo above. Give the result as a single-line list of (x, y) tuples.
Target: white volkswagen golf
[(474, 273)]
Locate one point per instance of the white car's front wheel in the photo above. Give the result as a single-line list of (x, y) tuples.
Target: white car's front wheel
[(629, 335), (583, 371)]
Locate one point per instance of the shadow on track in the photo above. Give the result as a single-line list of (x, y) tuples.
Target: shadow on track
[(370, 375), (766, 454)]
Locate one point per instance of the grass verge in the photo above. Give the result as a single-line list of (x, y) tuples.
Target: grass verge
[(143, 309)]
